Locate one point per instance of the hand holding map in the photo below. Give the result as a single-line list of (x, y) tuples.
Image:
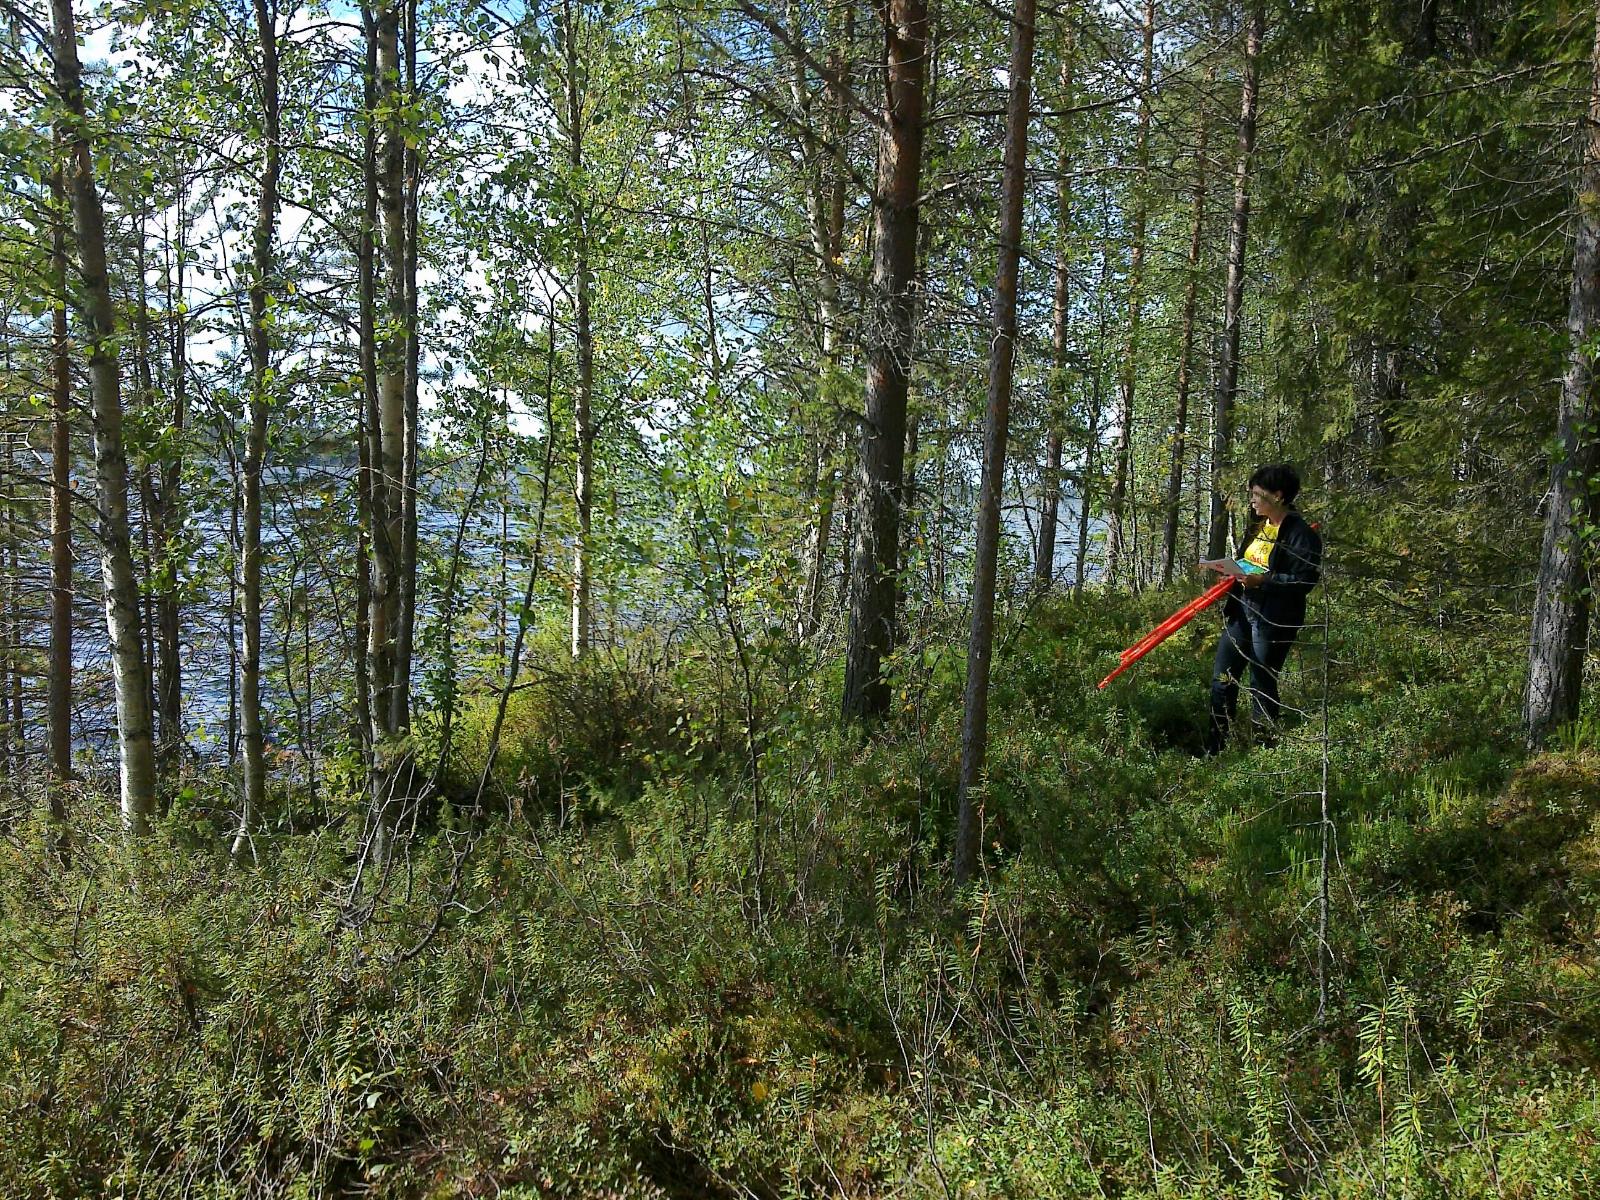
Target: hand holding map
[(1232, 567)]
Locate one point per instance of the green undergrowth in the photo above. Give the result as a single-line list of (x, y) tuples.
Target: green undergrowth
[(659, 965)]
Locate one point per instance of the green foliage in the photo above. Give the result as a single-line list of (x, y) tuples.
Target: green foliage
[(589, 993)]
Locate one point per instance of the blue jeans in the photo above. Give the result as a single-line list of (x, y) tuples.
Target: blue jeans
[(1247, 640)]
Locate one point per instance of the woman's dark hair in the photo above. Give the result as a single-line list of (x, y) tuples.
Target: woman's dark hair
[(1277, 477)]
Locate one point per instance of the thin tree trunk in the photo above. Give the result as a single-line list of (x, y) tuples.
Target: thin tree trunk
[(1118, 519), (411, 165), (389, 426), (149, 503), (136, 750), (1228, 372), (61, 586), (372, 685), (386, 197), (156, 533), (1180, 416), (503, 592), (260, 342), (583, 473), (144, 493), (11, 745), (980, 643), (19, 724), (820, 535), (826, 179), (1090, 457), (874, 581), (1091, 446), (1044, 558), (1560, 627), (169, 665), (234, 542), (583, 419), (908, 493)]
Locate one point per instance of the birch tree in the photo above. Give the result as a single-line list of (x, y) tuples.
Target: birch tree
[(260, 341), (135, 745)]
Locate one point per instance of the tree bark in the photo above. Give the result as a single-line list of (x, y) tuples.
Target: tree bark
[(1044, 558), (16, 748), (160, 522), (130, 678), (411, 167), (389, 428), (372, 684), (385, 202), (149, 524), (234, 542), (583, 417), (19, 726), (61, 586), (1091, 445), (1233, 312), (169, 664), (874, 577), (1180, 415), (253, 801), (820, 536), (1560, 628), (826, 177), (1118, 519), (980, 643)]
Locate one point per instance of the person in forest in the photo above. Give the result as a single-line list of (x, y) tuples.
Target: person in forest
[(1263, 612)]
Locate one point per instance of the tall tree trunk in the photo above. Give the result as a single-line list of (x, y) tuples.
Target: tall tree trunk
[(503, 592), (411, 166), (156, 529), (827, 176), (389, 429), (874, 577), (583, 418), (149, 505), (1180, 415), (144, 492), (13, 746), (234, 542), (1560, 630), (61, 587), (1002, 353), (908, 493), (1091, 445), (1118, 519), (1044, 558), (260, 342), (136, 750), (169, 665), (19, 727), (371, 632), (1233, 312)]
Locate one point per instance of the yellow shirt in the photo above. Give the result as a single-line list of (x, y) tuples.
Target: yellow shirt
[(1259, 551)]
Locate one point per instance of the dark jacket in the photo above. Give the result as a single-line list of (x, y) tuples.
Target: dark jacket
[(1292, 571)]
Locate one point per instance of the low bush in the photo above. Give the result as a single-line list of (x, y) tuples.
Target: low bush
[(660, 966)]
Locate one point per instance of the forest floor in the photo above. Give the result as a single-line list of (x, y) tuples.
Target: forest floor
[(661, 966)]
